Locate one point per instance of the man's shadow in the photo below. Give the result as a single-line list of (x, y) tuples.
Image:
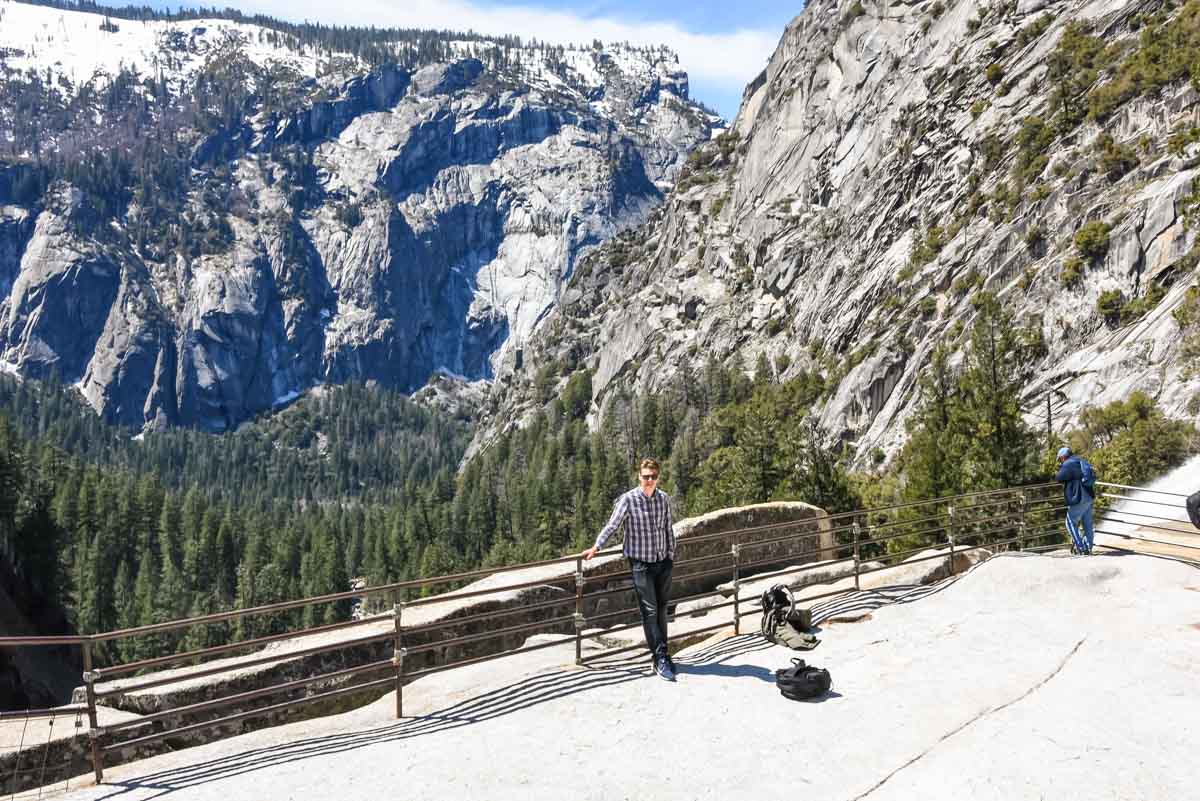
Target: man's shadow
[(524, 694)]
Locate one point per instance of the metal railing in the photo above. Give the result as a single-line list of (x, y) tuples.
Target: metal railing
[(1141, 511), (401, 650)]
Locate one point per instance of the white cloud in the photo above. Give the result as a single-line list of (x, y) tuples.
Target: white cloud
[(727, 60)]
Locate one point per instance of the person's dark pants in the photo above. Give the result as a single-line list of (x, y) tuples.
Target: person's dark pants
[(652, 580)]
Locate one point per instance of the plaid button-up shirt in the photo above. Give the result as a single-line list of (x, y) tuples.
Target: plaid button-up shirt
[(649, 536)]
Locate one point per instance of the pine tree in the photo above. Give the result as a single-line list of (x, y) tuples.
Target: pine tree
[(125, 609), (226, 552), (760, 463), (145, 592), (818, 476), (1001, 449), (932, 459)]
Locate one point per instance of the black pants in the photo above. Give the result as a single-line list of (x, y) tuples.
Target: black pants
[(652, 580)]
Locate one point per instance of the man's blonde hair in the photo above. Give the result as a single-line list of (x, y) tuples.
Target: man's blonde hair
[(652, 464)]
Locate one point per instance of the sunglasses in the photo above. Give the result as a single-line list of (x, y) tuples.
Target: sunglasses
[(649, 478)]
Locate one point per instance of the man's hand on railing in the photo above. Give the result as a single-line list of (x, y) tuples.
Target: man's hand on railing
[(589, 553)]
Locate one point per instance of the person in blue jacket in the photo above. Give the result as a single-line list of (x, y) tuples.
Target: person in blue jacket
[(1079, 482)]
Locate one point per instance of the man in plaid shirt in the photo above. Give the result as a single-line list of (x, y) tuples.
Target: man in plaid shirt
[(650, 549)]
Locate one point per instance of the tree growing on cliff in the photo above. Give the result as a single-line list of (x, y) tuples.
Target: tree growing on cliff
[(1001, 449)]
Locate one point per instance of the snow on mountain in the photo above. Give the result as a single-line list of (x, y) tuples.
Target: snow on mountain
[(77, 45), (267, 215)]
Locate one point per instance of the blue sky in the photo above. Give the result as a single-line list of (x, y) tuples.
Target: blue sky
[(722, 45)]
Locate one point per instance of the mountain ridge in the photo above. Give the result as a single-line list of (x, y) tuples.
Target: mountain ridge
[(307, 221), (891, 164)]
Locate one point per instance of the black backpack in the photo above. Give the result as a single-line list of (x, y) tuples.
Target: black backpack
[(1193, 508), (801, 682)]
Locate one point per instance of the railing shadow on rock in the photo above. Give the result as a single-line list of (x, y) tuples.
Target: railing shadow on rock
[(420, 636)]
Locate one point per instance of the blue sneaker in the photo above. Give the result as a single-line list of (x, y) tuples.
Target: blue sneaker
[(663, 668)]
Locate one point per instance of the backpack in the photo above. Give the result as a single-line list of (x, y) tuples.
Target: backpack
[(784, 623), (801, 682), (1089, 476), (1193, 508)]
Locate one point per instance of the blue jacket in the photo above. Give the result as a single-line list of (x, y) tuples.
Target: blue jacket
[(1070, 475)]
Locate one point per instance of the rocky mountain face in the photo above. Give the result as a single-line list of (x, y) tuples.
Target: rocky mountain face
[(893, 161), (338, 221)]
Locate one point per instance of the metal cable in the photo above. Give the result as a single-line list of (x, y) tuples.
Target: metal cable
[(45, 757), (20, 752)]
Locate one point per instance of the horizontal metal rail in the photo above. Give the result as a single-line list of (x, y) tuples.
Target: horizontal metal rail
[(724, 535), (756, 604), (944, 499), (814, 523), (1141, 489), (1131, 499), (959, 510), (51, 712), (1108, 513), (489, 635), (1185, 559), (524, 585), (218, 617), (162, 661), (72, 639), (614, 651), (250, 695), (913, 522), (774, 541), (261, 711), (901, 535), (1147, 539), (906, 562), (455, 622), (241, 664), (726, 555), (774, 560), (606, 593), (705, 574), (799, 569), (1141, 524), (525, 649)]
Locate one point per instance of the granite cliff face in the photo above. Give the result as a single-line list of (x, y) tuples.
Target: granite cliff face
[(389, 224), (892, 161)]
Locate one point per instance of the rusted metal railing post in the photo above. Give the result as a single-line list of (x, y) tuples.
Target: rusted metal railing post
[(398, 657), (579, 620), (94, 732), (950, 535), (857, 531), (1021, 524), (736, 551)]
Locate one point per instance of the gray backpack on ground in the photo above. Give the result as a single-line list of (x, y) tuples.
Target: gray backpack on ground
[(784, 623)]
